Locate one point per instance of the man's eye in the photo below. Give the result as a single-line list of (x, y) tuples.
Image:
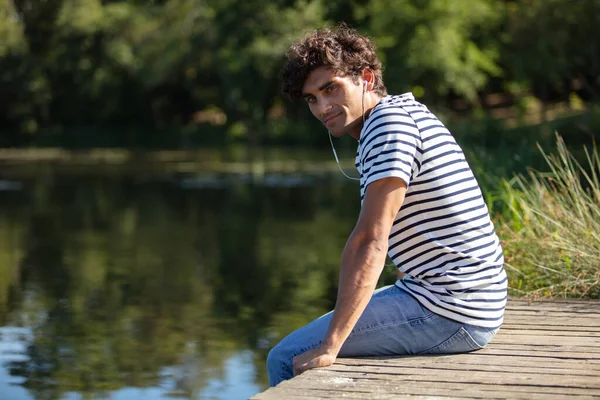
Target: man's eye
[(310, 100), (331, 88)]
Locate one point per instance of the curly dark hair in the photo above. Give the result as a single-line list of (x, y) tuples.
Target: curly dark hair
[(341, 48)]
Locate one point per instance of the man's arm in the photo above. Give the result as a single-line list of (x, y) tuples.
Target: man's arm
[(362, 262)]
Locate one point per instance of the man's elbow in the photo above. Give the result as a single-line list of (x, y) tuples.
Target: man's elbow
[(370, 240), (371, 249)]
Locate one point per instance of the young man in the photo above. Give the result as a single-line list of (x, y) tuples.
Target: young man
[(420, 204)]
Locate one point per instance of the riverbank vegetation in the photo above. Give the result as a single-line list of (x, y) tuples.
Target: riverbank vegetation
[(550, 227), (180, 73)]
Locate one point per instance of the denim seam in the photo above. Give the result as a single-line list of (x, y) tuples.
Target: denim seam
[(391, 325), (472, 342), (459, 335)]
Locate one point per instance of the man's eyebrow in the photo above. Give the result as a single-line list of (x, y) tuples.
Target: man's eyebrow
[(322, 87)]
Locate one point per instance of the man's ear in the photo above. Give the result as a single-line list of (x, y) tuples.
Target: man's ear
[(368, 76)]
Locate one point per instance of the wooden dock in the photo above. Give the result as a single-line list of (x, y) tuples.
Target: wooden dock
[(545, 350)]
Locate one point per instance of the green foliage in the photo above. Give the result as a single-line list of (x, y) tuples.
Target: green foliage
[(550, 43), (71, 67), (551, 229), (441, 45), (11, 31)]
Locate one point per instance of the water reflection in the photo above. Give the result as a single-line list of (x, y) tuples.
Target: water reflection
[(130, 286)]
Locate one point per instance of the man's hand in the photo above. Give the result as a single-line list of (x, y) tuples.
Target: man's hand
[(315, 358)]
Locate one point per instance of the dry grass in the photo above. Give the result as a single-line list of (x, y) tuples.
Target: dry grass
[(551, 229)]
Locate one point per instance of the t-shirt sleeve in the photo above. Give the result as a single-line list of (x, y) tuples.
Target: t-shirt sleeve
[(390, 146)]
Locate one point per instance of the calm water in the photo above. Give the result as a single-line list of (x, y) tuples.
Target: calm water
[(129, 285), (168, 279)]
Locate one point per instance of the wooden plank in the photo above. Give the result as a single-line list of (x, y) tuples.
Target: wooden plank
[(557, 312), (558, 322), (542, 352), (552, 314), (546, 327), (546, 332), (547, 349), (549, 301), (492, 367), (473, 377), (312, 393), (552, 340), (391, 390), (466, 362), (402, 392), (544, 317), (588, 307), (293, 394), (579, 311), (555, 300), (331, 376), (550, 373), (306, 387), (576, 352)]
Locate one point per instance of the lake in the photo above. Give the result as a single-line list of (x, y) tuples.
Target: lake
[(170, 274), (129, 276)]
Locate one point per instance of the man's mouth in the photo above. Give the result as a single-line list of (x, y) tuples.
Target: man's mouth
[(330, 118)]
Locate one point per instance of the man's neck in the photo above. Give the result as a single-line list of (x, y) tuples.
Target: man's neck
[(355, 133)]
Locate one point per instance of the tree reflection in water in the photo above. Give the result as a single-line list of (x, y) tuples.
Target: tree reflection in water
[(131, 282)]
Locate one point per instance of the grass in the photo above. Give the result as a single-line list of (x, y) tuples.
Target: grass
[(550, 229)]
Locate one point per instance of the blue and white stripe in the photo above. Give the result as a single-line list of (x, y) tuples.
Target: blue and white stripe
[(442, 238)]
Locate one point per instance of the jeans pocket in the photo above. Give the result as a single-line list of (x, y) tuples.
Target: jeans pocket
[(459, 342)]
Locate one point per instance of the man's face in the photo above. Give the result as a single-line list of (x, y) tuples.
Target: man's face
[(334, 100)]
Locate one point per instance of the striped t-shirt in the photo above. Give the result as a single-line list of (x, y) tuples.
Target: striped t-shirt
[(442, 237)]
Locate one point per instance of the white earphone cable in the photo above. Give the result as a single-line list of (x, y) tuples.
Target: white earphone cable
[(331, 140), (338, 161)]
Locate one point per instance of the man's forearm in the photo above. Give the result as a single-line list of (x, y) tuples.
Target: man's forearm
[(362, 263)]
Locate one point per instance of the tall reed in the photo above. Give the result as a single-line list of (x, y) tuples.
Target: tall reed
[(551, 227)]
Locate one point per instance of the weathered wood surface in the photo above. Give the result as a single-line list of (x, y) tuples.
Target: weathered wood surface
[(544, 350)]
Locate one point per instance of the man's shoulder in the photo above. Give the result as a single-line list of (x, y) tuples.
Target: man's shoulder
[(388, 122), (405, 104), (400, 101), (397, 99), (390, 113)]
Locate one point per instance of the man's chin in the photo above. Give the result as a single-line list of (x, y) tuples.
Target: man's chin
[(337, 132)]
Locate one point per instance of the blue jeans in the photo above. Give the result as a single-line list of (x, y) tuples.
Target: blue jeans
[(394, 323)]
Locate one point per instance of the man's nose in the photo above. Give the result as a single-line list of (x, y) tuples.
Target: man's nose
[(324, 107)]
